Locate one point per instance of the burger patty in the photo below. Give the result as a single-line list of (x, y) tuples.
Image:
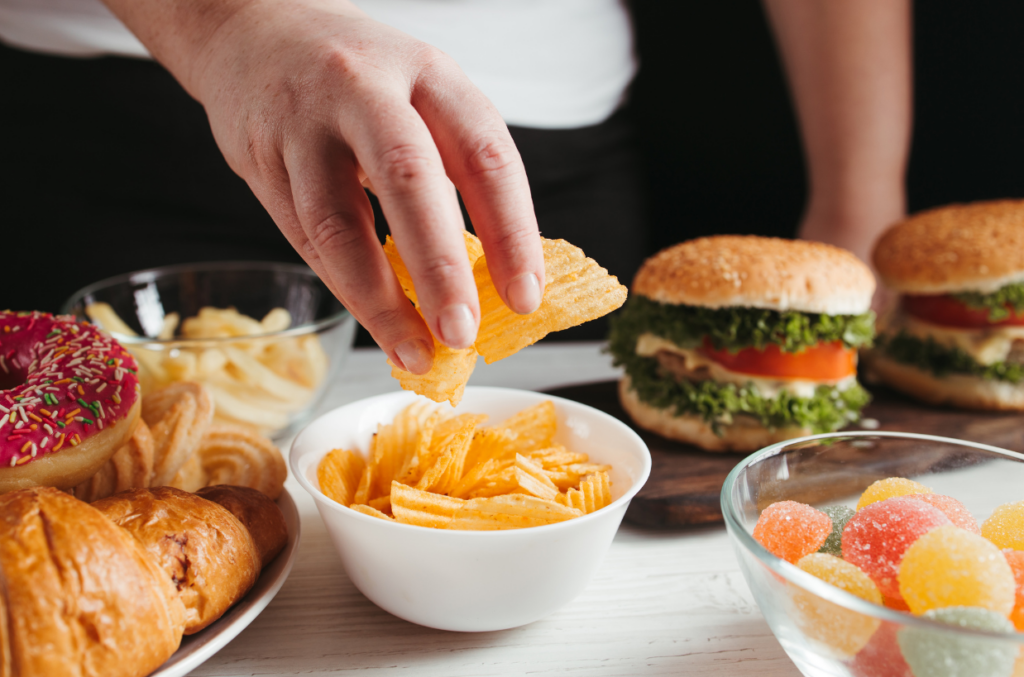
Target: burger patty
[(677, 365)]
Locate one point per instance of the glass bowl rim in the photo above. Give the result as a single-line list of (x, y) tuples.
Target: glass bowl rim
[(793, 574), (151, 274)]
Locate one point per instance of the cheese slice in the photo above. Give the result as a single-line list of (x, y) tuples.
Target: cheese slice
[(648, 345), (987, 346)]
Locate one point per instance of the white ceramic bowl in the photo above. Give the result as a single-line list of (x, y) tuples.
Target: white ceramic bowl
[(473, 581)]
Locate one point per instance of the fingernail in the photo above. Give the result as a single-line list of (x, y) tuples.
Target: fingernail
[(415, 356), (458, 327), (523, 294)]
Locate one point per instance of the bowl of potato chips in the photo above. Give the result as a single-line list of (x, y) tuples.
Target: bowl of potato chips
[(486, 516), (264, 338)]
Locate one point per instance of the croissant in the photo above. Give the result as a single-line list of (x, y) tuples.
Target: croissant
[(78, 595), (109, 589)]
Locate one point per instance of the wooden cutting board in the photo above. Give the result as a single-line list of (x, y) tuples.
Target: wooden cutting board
[(685, 481)]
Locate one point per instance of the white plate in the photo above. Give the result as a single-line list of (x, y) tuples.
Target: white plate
[(196, 649)]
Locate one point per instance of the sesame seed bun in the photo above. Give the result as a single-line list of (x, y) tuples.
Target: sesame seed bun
[(745, 434), (963, 247), (956, 390), (758, 272)]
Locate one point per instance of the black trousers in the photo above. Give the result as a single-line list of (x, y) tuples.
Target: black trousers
[(108, 166)]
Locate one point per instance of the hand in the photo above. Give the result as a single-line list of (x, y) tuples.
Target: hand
[(311, 100)]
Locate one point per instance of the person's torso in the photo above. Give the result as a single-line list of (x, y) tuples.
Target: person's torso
[(543, 63)]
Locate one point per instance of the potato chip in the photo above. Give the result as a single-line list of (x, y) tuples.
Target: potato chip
[(422, 508), (532, 480), (532, 428), (474, 478), (576, 290), (371, 511), (339, 473), (447, 472), (556, 456), (447, 377), (362, 494), (513, 511), (474, 251)]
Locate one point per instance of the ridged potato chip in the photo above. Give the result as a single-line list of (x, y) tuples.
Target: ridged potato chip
[(449, 473), (339, 473), (576, 290), (447, 377), (473, 249)]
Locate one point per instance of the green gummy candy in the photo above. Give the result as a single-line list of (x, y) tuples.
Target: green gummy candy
[(931, 653), (840, 515)]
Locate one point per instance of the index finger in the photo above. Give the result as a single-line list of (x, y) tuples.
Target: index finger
[(395, 149), (485, 165)]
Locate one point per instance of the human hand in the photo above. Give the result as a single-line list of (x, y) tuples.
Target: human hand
[(309, 101)]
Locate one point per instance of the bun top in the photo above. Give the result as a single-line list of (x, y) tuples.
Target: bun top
[(964, 247), (758, 272)]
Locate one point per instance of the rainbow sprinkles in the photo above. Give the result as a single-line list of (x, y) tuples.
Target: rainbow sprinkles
[(60, 382)]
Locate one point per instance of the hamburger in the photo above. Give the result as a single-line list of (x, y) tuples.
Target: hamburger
[(735, 342), (955, 335)]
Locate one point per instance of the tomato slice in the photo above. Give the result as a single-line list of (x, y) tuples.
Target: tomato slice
[(823, 362), (946, 311)]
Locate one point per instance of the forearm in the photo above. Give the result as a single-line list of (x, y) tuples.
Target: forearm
[(849, 68)]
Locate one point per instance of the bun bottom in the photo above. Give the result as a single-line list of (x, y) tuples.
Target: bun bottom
[(969, 392), (745, 434)]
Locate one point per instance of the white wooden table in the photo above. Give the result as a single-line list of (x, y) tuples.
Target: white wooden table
[(662, 603)]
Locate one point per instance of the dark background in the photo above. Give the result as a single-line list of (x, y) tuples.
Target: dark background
[(719, 143)]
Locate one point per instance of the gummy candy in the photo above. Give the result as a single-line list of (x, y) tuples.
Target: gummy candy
[(1015, 558), (949, 567), (841, 574), (790, 530), (840, 515), (956, 511), (878, 535), (881, 656), (891, 487), (933, 653), (844, 631), (1005, 526)]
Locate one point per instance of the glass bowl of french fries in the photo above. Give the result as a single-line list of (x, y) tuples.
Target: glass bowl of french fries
[(264, 338), (486, 516)]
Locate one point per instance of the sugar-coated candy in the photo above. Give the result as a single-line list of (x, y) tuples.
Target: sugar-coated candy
[(1015, 558), (891, 487), (790, 530), (1005, 526), (956, 511), (841, 574), (950, 567), (881, 656), (840, 515), (842, 630), (933, 653), (878, 535)]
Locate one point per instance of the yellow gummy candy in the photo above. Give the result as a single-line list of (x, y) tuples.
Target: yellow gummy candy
[(890, 487)]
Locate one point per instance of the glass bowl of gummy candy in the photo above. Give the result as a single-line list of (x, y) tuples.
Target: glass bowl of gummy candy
[(878, 554)]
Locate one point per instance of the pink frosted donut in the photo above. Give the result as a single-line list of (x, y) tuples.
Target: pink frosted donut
[(69, 398)]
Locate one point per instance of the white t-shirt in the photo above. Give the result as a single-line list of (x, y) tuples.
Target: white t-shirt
[(544, 63)]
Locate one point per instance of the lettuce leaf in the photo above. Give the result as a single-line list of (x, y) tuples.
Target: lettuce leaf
[(718, 403), (998, 304), (738, 328), (942, 360)]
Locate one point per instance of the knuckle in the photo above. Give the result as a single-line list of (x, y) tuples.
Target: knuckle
[(493, 157), (334, 233), (406, 165)]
